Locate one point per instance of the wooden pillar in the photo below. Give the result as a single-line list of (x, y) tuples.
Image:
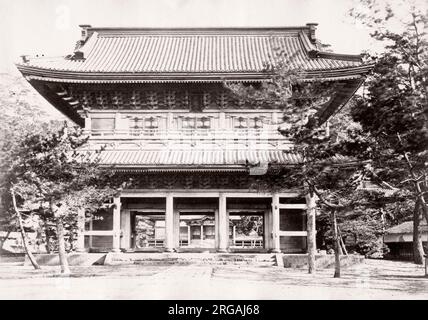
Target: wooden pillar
[(125, 221), (116, 224), (275, 224), (233, 235), (188, 236), (80, 243), (169, 223), (267, 229), (223, 225), (88, 125), (170, 121), (221, 120), (311, 232), (176, 229)]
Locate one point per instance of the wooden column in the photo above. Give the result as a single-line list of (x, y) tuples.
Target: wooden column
[(169, 223), (116, 224), (188, 235), (170, 121), (125, 222), (311, 230), (80, 243), (223, 225), (267, 229), (176, 228), (275, 224), (88, 125)]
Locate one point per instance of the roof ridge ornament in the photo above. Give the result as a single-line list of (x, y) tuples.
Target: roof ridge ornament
[(312, 28), (78, 54)]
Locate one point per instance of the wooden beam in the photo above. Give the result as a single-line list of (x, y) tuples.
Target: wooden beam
[(99, 233), (293, 233), (223, 225), (229, 193), (169, 223), (275, 224), (293, 206), (116, 224), (311, 232)]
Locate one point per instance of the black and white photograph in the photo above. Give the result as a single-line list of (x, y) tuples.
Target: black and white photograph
[(221, 150)]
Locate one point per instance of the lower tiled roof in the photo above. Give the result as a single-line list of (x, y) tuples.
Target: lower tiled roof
[(150, 158)]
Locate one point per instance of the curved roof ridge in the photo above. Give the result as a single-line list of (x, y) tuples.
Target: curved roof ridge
[(201, 29)]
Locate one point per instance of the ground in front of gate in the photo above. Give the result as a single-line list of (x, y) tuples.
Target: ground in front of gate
[(374, 279)]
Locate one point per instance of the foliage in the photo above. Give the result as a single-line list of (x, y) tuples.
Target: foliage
[(250, 224), (20, 116), (49, 168), (332, 165), (394, 110)]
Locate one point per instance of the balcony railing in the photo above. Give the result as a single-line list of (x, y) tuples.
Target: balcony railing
[(189, 134)]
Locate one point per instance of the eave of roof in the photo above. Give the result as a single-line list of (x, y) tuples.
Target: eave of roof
[(35, 73), (199, 160)]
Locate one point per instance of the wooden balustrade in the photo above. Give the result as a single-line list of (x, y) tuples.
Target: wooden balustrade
[(190, 134)]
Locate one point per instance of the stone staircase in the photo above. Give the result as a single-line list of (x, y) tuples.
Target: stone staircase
[(245, 259)]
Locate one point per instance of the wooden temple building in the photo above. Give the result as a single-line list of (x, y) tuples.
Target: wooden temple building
[(197, 155)]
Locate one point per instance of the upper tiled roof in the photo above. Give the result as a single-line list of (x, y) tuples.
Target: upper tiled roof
[(135, 53)]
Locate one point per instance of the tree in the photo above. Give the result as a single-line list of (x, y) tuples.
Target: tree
[(50, 168), (325, 170), (395, 108), (20, 116)]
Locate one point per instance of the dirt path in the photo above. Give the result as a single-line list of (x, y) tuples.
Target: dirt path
[(374, 279)]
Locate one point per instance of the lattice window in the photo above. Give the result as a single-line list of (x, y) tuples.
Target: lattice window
[(152, 99), (170, 99), (222, 100), (206, 99), (116, 99), (134, 99), (101, 99), (85, 98), (185, 100), (197, 102)]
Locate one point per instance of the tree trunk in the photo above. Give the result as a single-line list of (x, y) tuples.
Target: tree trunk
[(336, 243), (3, 240), (426, 260), (342, 244), (23, 234), (48, 241), (65, 269), (311, 229), (418, 250)]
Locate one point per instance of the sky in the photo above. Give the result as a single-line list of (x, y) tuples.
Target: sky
[(50, 27)]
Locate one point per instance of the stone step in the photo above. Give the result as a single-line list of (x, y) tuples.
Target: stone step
[(74, 259), (180, 258)]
